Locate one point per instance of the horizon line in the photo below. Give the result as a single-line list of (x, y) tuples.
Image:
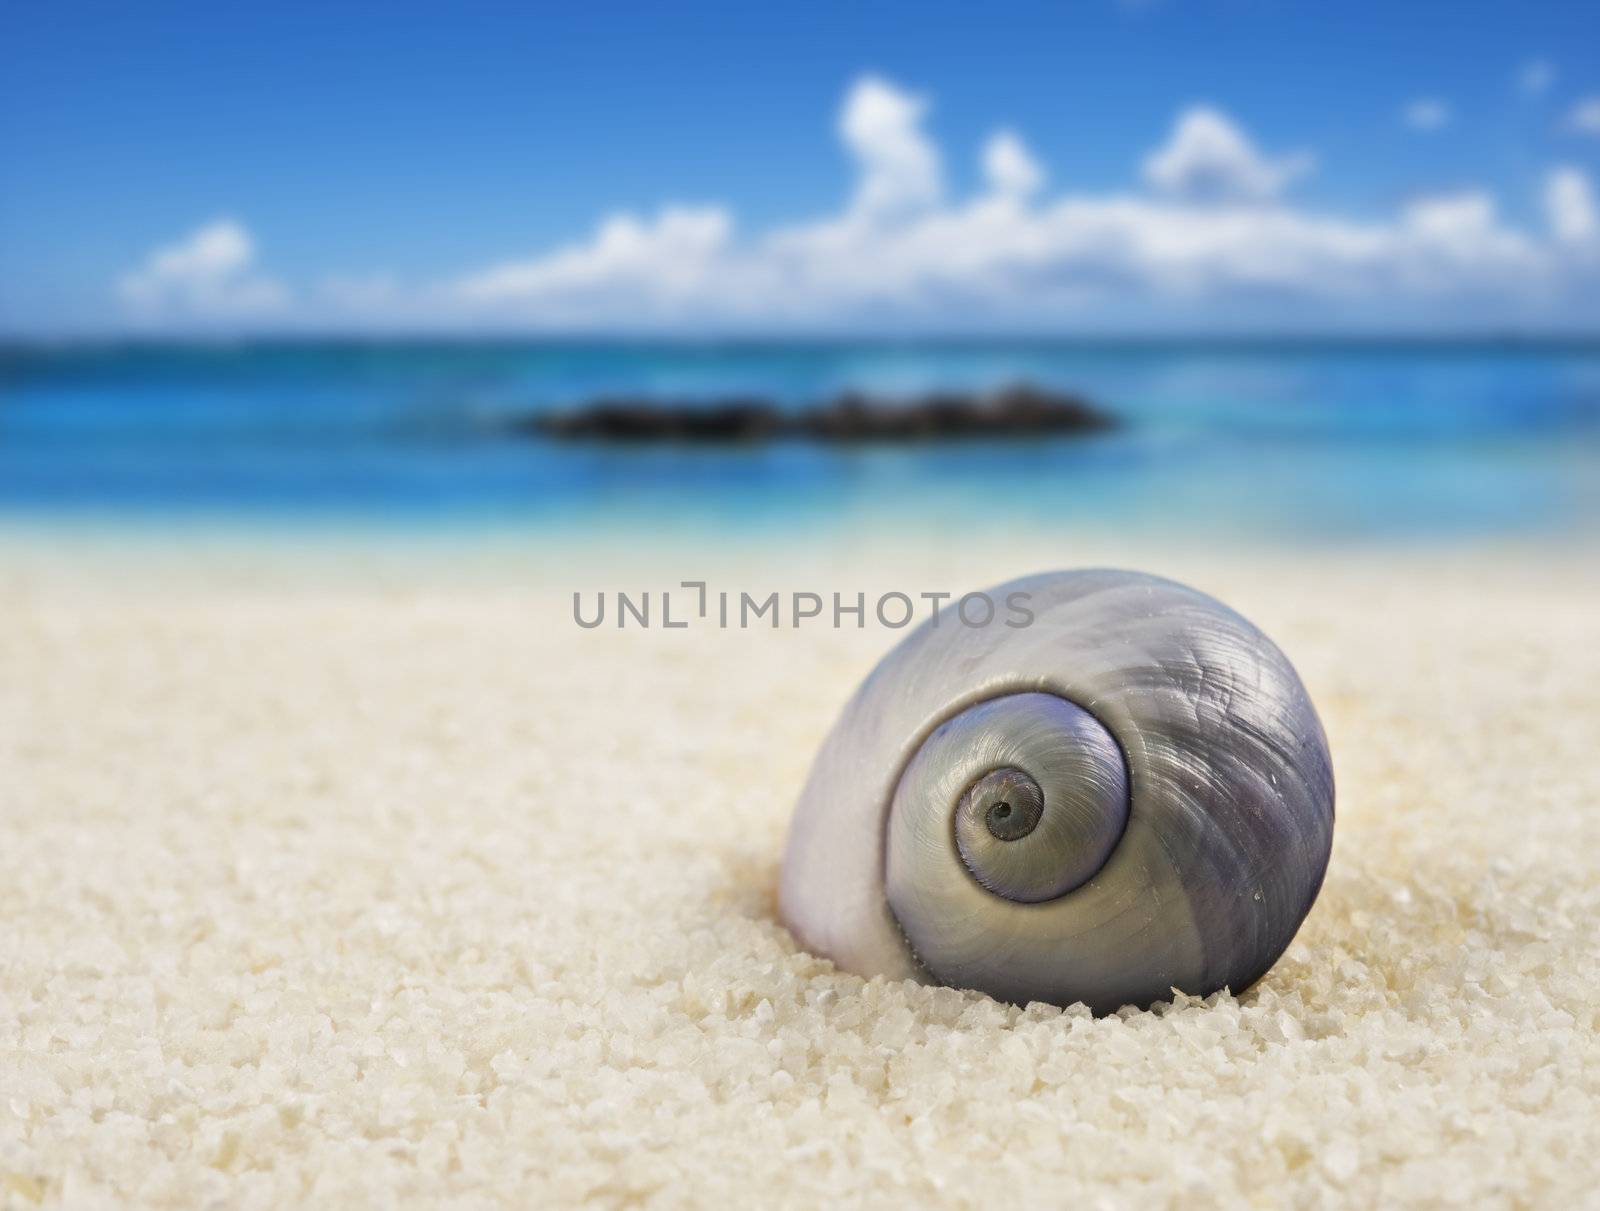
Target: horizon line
[(10, 342)]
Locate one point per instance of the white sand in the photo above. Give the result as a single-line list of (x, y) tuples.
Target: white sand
[(347, 880)]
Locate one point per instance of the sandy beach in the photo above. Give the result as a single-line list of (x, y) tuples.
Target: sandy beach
[(361, 876)]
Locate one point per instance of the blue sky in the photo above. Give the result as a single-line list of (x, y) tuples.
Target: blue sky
[(1151, 164)]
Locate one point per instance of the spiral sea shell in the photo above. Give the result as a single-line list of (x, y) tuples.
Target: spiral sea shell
[(1131, 794)]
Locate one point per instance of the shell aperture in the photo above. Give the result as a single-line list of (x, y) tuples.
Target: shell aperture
[(1131, 795)]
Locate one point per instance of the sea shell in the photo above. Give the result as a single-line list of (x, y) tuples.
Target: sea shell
[(1129, 795)]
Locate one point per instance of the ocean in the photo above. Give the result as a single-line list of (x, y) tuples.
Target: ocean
[(1303, 439)]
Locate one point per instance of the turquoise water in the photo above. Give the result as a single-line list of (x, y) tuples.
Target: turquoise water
[(1307, 439)]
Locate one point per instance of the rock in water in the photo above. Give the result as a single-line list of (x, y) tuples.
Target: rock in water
[(1019, 410)]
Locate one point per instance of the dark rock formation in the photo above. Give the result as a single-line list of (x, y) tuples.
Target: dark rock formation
[(1020, 410), (646, 420)]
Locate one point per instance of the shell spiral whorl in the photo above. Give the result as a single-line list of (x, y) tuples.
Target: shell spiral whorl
[(1039, 795), (1131, 795)]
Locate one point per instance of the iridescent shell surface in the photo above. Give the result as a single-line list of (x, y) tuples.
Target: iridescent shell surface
[(1130, 795)]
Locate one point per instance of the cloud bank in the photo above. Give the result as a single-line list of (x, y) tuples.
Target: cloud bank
[(208, 274), (1573, 213), (1209, 229)]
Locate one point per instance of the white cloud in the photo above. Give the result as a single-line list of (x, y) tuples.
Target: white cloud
[(1452, 217), (1427, 114), (1570, 207), (207, 274), (669, 259), (1009, 166), (1585, 116), (882, 127), (1208, 157), (1536, 77), (1210, 234)]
